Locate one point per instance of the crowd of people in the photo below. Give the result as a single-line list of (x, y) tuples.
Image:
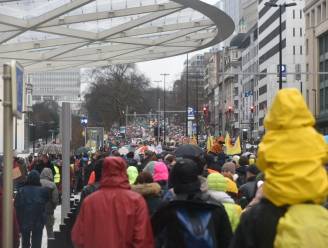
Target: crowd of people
[(193, 198), (189, 197)]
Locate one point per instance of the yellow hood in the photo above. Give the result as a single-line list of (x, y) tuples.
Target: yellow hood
[(292, 153)]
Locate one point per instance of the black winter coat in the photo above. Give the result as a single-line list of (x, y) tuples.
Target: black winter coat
[(248, 190), (241, 171), (257, 227), (167, 228), (30, 203)]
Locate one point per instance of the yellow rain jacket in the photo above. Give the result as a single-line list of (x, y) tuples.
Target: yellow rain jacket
[(292, 153)]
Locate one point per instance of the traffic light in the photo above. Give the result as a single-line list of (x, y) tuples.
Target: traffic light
[(252, 109), (205, 110)]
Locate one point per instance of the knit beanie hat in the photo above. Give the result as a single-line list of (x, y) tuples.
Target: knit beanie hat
[(184, 177), (229, 166)]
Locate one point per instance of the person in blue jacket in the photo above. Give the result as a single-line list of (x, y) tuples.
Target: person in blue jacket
[(30, 205)]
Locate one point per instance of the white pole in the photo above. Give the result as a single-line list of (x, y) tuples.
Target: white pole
[(66, 139), (7, 210)]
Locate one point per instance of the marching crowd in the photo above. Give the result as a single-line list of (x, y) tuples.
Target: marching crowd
[(191, 197)]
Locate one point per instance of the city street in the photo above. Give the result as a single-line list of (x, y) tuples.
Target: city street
[(175, 123)]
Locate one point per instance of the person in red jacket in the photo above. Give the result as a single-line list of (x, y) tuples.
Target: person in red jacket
[(113, 216)]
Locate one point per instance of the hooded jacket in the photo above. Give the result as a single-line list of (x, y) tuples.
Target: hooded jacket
[(161, 172), (46, 180), (217, 185), (30, 203), (132, 172), (113, 216), (291, 155), (151, 192)]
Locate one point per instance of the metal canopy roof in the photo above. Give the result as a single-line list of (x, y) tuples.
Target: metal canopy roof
[(48, 35)]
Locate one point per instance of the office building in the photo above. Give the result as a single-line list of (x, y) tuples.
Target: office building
[(293, 44), (316, 49), (59, 86)]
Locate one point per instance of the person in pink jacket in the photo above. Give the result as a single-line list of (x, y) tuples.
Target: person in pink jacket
[(161, 174)]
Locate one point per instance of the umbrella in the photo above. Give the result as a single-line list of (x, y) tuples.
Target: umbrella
[(82, 150), (123, 150), (142, 149), (54, 149)]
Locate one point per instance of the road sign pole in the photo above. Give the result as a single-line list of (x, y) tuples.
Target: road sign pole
[(7, 209), (66, 139)]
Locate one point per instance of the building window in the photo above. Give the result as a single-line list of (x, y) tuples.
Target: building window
[(322, 76), (301, 50), (312, 18), (307, 97), (261, 121), (293, 32), (318, 14), (301, 32), (326, 98), (263, 105), (321, 100), (307, 47), (324, 9), (262, 90), (294, 50), (235, 103), (307, 20), (293, 14), (301, 14), (298, 75), (326, 70)]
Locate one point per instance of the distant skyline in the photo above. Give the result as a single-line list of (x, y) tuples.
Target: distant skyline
[(173, 66)]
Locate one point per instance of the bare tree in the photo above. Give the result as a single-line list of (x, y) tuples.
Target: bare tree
[(113, 88)]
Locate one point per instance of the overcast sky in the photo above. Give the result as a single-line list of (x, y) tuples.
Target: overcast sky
[(172, 66)]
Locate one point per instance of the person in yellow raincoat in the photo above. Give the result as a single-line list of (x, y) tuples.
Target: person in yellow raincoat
[(292, 155)]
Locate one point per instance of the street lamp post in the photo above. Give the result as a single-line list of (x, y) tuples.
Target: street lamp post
[(164, 105), (159, 111), (280, 6)]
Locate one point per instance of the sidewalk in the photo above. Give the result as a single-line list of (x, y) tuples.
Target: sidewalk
[(56, 226)]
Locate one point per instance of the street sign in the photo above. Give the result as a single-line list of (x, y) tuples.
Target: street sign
[(18, 88), (194, 128), (191, 114), (283, 72), (84, 121), (94, 137), (122, 130)]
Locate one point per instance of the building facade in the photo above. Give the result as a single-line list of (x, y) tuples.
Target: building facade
[(293, 52), (248, 14), (232, 8), (59, 86), (211, 80), (316, 48), (227, 95), (249, 85)]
